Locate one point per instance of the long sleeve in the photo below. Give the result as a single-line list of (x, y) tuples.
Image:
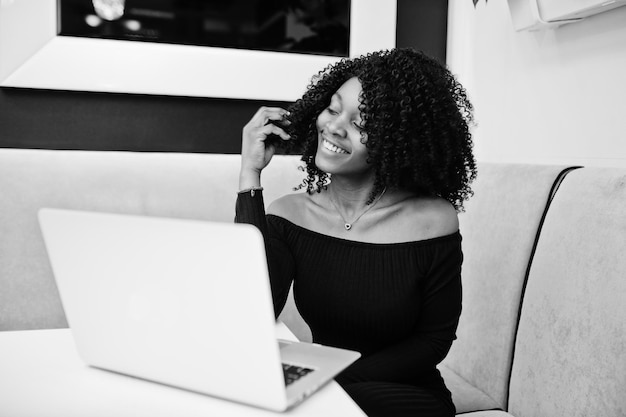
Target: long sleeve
[(250, 208)]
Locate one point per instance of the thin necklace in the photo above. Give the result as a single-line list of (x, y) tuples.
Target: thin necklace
[(348, 225)]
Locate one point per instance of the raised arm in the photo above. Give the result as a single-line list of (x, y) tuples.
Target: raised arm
[(256, 153), (256, 150)]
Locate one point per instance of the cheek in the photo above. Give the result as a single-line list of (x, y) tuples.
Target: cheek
[(361, 155), (321, 121)]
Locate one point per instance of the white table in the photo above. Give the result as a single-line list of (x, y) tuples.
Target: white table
[(41, 374)]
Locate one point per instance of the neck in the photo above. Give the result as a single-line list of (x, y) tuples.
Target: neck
[(350, 198), (352, 191)]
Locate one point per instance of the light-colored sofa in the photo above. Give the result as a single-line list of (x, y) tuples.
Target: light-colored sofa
[(543, 328)]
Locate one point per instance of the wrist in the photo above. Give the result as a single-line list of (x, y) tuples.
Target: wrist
[(249, 178), (252, 191)]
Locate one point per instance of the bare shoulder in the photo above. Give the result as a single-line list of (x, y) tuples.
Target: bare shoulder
[(289, 206), (442, 216), (425, 218)]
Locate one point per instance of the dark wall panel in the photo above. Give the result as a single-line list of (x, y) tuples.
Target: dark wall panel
[(103, 121), (423, 24)]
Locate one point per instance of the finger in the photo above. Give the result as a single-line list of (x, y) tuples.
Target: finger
[(264, 114), (279, 116), (273, 129), (279, 122)]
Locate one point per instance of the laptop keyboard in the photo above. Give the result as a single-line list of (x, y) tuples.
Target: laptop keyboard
[(293, 373)]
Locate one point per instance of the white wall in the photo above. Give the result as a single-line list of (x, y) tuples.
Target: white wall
[(554, 96)]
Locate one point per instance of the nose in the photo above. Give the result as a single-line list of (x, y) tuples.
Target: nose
[(336, 127)]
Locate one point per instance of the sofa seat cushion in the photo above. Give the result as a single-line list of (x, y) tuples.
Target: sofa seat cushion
[(487, 413), (466, 395)]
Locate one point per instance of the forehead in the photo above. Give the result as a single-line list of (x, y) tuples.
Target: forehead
[(350, 91)]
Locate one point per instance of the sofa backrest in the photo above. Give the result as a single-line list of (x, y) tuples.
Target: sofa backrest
[(499, 228), (570, 353), (198, 186)]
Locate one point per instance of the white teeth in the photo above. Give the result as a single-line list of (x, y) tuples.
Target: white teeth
[(332, 147)]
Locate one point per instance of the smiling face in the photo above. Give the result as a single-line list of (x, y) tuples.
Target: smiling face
[(341, 146)]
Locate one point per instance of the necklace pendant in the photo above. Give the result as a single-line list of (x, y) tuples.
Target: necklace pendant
[(348, 226)]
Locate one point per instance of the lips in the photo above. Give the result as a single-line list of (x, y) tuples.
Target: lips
[(332, 147)]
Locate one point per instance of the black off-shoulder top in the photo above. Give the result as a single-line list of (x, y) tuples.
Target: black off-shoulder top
[(398, 304)]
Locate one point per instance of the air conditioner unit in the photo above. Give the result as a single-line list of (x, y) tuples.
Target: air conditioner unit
[(545, 14)]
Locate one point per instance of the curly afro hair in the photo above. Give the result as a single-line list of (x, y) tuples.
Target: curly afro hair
[(416, 117)]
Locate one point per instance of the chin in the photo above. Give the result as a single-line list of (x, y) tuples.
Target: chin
[(323, 164), (329, 162)]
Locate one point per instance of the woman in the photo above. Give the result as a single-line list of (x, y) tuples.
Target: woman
[(373, 247)]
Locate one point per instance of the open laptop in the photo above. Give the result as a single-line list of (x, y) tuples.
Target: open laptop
[(181, 302)]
